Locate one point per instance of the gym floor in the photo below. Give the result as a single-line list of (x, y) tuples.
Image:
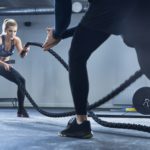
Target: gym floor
[(41, 133)]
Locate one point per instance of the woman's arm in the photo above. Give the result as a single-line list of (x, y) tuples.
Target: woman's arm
[(63, 9), (21, 50)]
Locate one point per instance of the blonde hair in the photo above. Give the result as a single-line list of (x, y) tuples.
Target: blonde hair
[(7, 23)]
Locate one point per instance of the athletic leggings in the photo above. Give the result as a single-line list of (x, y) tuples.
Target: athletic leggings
[(86, 41), (11, 75)]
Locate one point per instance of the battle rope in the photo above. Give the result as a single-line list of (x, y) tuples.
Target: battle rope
[(105, 99), (119, 125), (94, 105)]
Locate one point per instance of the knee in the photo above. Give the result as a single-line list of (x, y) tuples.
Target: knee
[(22, 81), (76, 58), (76, 62)]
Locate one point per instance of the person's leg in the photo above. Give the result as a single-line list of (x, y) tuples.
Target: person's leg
[(143, 55), (13, 76), (21, 96), (95, 27), (84, 42)]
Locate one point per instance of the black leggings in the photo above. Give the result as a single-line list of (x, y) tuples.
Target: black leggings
[(86, 41), (11, 75), (143, 55)]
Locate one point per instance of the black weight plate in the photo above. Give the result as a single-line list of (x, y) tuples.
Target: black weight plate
[(141, 100)]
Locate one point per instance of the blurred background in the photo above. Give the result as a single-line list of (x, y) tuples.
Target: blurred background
[(46, 79)]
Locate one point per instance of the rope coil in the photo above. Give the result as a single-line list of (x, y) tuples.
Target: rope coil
[(105, 99)]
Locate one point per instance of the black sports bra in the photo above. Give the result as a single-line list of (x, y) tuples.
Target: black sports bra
[(6, 53)]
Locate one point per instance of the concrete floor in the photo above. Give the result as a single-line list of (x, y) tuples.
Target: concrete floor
[(41, 133)]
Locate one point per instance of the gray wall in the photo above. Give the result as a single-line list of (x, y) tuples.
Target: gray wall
[(47, 80)]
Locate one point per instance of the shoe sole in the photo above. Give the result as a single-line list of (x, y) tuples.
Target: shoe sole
[(87, 136)]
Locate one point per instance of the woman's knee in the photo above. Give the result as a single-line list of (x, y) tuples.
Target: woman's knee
[(22, 81), (80, 50), (76, 59)]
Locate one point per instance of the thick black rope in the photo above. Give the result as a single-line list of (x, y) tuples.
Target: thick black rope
[(51, 52), (119, 125), (94, 105), (105, 99), (118, 90)]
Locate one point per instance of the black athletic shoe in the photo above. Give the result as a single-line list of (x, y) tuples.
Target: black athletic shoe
[(75, 130), (22, 113)]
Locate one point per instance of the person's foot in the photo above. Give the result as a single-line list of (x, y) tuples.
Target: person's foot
[(75, 130), (22, 113)]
